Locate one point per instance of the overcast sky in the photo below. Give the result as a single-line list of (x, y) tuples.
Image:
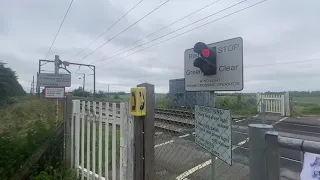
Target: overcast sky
[(273, 32)]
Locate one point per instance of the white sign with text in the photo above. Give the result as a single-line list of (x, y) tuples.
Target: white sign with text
[(54, 92), (213, 131), (51, 79), (229, 75)]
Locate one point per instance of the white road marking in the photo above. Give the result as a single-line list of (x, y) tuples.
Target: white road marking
[(192, 170), (204, 164), (240, 120), (158, 133), (186, 135), (279, 121), (162, 144)]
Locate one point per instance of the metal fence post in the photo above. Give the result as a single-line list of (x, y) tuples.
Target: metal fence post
[(257, 151), (206, 98), (273, 156)]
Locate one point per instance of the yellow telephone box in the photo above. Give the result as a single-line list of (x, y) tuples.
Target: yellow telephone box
[(138, 101)]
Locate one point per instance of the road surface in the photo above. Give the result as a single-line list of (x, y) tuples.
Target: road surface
[(178, 157)]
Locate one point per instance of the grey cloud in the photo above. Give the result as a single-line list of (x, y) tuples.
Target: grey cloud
[(273, 32)]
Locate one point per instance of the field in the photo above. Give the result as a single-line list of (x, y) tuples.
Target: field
[(306, 105), (306, 99)]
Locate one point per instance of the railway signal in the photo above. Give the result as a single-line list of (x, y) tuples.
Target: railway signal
[(207, 62)]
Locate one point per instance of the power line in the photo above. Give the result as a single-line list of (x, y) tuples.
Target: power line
[(261, 65), (59, 29), (110, 27), (285, 62), (177, 29), (191, 30), (206, 6), (124, 30)]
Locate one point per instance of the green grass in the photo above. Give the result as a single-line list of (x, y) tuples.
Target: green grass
[(305, 105), (302, 109), (24, 126), (307, 99)]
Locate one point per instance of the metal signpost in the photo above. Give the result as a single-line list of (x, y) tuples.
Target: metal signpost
[(208, 68)]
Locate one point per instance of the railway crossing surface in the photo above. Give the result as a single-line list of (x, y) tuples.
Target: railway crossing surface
[(178, 157)]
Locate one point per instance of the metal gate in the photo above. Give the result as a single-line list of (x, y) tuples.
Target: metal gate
[(102, 140)]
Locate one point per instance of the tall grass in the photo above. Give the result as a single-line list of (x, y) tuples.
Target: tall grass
[(24, 126)]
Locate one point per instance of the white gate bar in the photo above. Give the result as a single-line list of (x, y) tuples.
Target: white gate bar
[(82, 138), (77, 134), (100, 141), (123, 161), (106, 145), (94, 128), (114, 149), (283, 113), (88, 121), (72, 138)]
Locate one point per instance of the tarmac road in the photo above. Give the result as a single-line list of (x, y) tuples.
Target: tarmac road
[(178, 157)]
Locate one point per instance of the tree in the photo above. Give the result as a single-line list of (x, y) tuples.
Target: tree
[(9, 85), (79, 92)]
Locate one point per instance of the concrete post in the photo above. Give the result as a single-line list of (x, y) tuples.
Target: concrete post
[(273, 155), (258, 151)]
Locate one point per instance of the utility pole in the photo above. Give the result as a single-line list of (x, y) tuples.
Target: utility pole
[(32, 85), (56, 71), (84, 81), (108, 90)]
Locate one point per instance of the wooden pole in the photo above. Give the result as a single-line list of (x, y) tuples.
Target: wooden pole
[(67, 117), (144, 138)]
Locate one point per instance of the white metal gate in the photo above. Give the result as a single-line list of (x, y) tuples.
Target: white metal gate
[(274, 103), (102, 140)]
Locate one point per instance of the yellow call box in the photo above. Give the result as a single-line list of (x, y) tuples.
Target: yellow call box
[(138, 101)]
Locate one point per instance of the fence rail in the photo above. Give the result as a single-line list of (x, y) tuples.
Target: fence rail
[(264, 151)]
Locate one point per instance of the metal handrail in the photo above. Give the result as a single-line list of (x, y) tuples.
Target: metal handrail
[(299, 144)]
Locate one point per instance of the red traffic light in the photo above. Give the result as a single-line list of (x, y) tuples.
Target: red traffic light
[(205, 53)]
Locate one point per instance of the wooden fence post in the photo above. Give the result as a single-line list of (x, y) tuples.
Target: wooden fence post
[(144, 138)]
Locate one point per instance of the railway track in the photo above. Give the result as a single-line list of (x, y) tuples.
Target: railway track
[(180, 120)]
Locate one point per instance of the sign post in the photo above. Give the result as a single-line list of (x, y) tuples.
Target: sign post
[(208, 68)]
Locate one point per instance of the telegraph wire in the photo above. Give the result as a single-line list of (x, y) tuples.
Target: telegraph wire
[(177, 29), (206, 6), (125, 29), (59, 29), (284, 62), (235, 12), (110, 27)]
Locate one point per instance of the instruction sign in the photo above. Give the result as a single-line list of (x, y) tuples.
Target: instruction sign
[(229, 75), (138, 101), (54, 92), (213, 131), (51, 79)]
